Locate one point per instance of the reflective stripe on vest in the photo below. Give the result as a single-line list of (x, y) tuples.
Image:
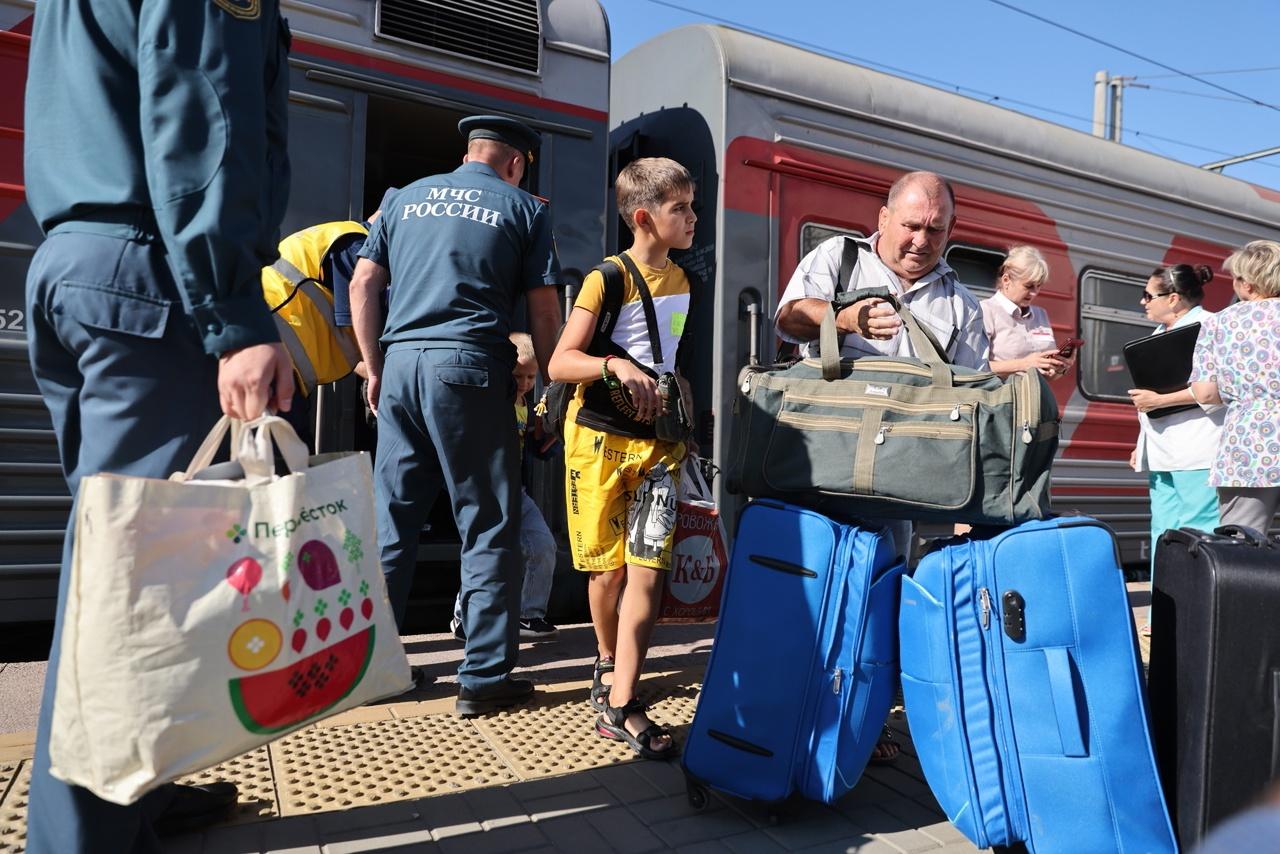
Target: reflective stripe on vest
[(303, 307)]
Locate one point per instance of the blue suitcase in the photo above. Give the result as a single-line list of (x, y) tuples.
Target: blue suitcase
[(1024, 692), (805, 661)]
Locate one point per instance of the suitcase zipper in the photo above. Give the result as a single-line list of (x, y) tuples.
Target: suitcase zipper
[(821, 422), (953, 410), (835, 684), (900, 367), (924, 428), (1024, 408), (1013, 814)]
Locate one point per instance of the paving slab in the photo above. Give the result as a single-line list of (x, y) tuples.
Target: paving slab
[(406, 775)]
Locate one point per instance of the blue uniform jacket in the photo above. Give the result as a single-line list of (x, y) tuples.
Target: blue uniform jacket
[(461, 248), (156, 117)]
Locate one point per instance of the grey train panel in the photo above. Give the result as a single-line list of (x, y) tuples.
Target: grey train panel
[(1113, 207), (330, 122)]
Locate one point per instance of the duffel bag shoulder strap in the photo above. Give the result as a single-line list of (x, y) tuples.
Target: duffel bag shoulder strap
[(923, 341)]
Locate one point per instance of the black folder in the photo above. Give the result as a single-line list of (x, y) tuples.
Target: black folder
[(1162, 363)]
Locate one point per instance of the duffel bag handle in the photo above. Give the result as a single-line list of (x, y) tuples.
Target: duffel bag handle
[(923, 342)]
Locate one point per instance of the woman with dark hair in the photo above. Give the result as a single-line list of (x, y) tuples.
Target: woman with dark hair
[(1237, 361), (1176, 450)]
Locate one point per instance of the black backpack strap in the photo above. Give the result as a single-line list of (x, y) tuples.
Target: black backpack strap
[(848, 264), (650, 315), (610, 305)]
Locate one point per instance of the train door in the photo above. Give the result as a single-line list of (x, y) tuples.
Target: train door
[(682, 135), (34, 502)]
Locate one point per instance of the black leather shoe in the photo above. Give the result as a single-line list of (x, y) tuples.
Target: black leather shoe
[(506, 693), (196, 807)]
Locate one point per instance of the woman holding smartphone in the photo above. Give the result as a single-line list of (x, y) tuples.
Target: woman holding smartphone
[(1176, 450), (1020, 334)]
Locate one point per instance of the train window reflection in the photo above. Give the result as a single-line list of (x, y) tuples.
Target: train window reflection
[(1110, 317), (811, 234), (975, 267)]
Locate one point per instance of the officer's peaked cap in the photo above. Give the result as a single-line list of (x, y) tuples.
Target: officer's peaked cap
[(513, 132)]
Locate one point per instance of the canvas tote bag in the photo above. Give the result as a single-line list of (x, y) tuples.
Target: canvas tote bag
[(207, 617)]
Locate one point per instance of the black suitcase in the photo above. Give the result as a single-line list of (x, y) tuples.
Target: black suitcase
[(1215, 673)]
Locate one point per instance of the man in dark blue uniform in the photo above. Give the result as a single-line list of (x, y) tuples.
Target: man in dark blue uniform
[(462, 248), (156, 166)]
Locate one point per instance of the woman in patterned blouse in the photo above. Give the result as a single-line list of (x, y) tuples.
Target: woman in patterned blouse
[(1237, 362)]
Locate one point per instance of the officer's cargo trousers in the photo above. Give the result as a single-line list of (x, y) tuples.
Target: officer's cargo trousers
[(131, 391), (445, 419)]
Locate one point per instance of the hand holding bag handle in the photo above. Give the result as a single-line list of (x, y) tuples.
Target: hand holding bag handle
[(693, 485), (252, 444), (927, 348)]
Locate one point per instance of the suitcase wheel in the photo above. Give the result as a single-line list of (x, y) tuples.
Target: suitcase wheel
[(697, 793)]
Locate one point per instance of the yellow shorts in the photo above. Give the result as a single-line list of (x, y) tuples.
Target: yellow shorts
[(621, 498)]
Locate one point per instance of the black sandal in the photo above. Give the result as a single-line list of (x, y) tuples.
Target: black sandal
[(613, 724), (599, 690), (890, 746)]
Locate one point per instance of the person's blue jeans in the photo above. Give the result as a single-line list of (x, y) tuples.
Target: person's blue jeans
[(444, 419), (131, 391), (538, 550)]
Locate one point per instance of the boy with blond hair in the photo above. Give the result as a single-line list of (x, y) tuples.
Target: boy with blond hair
[(620, 478)]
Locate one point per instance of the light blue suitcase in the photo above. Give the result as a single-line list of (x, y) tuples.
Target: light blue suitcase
[(1024, 692), (805, 660)]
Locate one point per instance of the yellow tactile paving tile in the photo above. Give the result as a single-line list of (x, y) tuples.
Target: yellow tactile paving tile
[(251, 772), (16, 746), (334, 768), (555, 734), (13, 808)]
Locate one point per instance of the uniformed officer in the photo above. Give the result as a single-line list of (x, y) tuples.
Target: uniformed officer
[(156, 165), (462, 248)]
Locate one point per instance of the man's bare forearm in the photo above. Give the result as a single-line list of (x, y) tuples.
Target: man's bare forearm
[(802, 318)]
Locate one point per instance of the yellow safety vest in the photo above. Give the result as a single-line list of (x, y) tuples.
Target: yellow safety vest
[(302, 305)]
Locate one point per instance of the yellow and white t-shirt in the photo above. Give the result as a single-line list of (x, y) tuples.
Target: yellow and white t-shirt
[(670, 290)]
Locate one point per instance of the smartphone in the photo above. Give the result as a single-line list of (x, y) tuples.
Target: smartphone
[(1069, 349)]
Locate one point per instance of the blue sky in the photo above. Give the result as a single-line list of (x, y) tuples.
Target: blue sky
[(994, 53)]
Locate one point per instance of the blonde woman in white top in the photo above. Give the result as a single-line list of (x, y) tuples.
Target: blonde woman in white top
[(1021, 337)]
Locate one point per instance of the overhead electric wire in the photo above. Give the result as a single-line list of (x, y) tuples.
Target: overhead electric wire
[(1116, 47), (989, 97), (1219, 71), (1228, 98)]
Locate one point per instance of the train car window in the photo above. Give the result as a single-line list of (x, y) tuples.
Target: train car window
[(1110, 317), (975, 266), (811, 234)]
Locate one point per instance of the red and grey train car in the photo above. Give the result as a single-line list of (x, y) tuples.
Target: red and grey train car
[(790, 147), (377, 89)]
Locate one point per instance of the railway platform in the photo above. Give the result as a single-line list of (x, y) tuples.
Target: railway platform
[(406, 775)]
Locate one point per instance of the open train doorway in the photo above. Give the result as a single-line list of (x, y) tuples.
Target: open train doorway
[(405, 141)]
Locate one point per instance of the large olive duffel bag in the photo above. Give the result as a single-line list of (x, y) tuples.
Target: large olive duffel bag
[(895, 438)]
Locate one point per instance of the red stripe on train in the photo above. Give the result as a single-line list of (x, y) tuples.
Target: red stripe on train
[(400, 69)]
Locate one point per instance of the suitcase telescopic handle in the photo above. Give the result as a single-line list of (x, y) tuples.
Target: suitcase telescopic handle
[(1191, 538), (1252, 536)]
